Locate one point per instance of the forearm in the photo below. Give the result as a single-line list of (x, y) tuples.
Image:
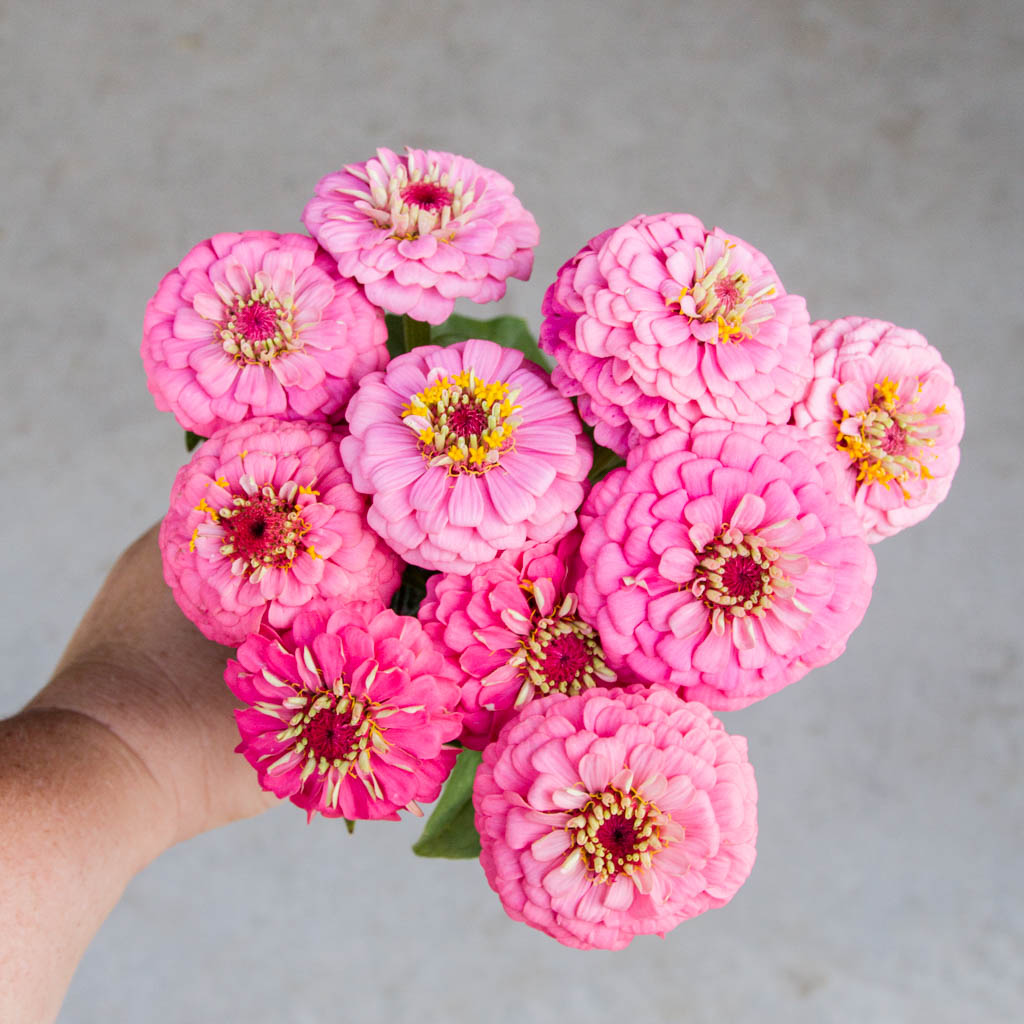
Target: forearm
[(81, 814)]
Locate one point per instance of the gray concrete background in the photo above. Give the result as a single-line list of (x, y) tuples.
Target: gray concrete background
[(871, 149)]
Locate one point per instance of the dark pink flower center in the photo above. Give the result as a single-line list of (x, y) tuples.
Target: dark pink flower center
[(466, 421), (615, 833), (618, 836), (561, 654), (742, 577), (335, 732), (256, 322), (262, 531), (565, 658), (258, 327), (330, 735), (258, 528), (428, 195), (736, 574)]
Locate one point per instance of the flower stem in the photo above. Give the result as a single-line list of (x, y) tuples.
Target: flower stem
[(604, 462), (414, 333)]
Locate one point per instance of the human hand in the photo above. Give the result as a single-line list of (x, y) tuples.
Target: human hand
[(126, 751), (138, 667)]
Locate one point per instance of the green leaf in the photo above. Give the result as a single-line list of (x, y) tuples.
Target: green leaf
[(396, 334), (605, 460), (350, 825), (192, 441), (508, 331), (411, 590), (449, 831)]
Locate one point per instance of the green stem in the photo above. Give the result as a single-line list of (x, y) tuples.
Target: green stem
[(414, 333), (604, 462)]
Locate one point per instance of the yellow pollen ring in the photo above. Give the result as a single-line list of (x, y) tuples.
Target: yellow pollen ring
[(862, 437), (463, 422)]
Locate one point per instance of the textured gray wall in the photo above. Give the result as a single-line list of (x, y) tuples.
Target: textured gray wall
[(871, 149)]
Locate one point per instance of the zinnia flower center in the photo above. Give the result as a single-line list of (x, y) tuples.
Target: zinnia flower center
[(427, 202), (726, 297), (258, 327), (427, 194), (256, 321), (736, 575), (463, 422), (887, 441), (560, 654), (615, 833), (330, 736), (334, 730), (262, 530)]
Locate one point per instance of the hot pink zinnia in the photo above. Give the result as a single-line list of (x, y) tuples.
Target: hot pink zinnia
[(467, 451), (512, 627), (421, 230), (659, 322), (615, 813), (258, 324), (350, 714), (723, 562), (264, 519), (885, 399)]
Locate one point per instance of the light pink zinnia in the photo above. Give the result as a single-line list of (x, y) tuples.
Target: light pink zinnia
[(615, 813), (264, 519), (350, 714), (467, 451), (659, 322), (422, 230), (512, 627), (885, 399), (723, 562), (258, 324)]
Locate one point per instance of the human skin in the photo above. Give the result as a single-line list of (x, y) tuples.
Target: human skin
[(125, 752)]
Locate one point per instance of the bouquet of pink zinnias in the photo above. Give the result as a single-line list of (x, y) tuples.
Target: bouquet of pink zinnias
[(519, 578)]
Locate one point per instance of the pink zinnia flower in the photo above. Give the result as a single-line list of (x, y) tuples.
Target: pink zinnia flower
[(350, 714), (258, 324), (512, 627), (659, 322), (264, 519), (885, 399), (422, 230), (723, 562), (467, 451), (615, 813)]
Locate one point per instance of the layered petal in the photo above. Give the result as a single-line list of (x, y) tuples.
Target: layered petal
[(420, 230), (264, 519), (614, 813), (435, 441), (885, 400), (258, 324)]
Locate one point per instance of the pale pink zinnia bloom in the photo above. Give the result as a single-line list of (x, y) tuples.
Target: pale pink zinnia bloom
[(615, 813), (258, 324), (263, 520), (723, 562), (467, 451), (350, 714), (660, 322), (422, 230), (887, 402), (512, 627)]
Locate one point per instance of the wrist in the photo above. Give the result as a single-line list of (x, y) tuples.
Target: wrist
[(81, 817)]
